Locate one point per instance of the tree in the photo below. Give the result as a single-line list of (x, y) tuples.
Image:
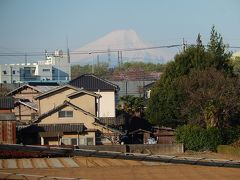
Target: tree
[(218, 56), (168, 96), (132, 104), (212, 97), (235, 61)]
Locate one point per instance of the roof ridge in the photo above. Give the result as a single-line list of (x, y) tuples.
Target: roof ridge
[(55, 89), (22, 87), (28, 104)]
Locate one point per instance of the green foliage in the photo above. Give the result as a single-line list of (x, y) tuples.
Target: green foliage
[(218, 57), (103, 70), (198, 139), (132, 104), (141, 65), (170, 94), (236, 65), (212, 97), (230, 135)]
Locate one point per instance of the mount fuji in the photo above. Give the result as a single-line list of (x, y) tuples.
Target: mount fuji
[(106, 49)]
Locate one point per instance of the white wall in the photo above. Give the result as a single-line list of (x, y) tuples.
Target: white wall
[(107, 104)]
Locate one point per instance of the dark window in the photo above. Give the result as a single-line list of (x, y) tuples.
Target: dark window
[(14, 81), (13, 72), (73, 141), (4, 82), (46, 70), (4, 72), (65, 114)]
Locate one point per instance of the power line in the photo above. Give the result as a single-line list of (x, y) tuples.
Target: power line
[(107, 51), (93, 51)]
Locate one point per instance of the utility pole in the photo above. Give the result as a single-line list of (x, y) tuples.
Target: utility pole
[(109, 56), (184, 45), (119, 59), (25, 58), (92, 62), (98, 62), (11, 75)]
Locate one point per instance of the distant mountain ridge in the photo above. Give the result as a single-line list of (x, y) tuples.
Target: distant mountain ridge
[(118, 40)]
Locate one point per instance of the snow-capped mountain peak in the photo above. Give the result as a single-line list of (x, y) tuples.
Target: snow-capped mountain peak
[(119, 40)]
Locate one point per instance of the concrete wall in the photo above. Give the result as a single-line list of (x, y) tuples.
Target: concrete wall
[(85, 102), (140, 148), (156, 148), (53, 100), (116, 148), (107, 104)]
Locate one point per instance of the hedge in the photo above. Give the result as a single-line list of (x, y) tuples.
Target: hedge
[(198, 139)]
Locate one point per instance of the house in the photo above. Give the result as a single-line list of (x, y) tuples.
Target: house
[(7, 121), (69, 116), (107, 90), (25, 106)]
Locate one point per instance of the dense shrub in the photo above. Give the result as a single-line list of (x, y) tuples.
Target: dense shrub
[(230, 135), (198, 139)]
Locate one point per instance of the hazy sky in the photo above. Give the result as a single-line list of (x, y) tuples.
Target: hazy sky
[(35, 25)]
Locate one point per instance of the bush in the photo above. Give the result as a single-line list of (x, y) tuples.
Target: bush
[(198, 139), (230, 135)]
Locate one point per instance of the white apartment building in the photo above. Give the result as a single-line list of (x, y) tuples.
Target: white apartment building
[(53, 68)]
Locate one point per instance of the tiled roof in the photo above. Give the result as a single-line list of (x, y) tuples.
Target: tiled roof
[(40, 89), (93, 83), (60, 88), (62, 127), (6, 102)]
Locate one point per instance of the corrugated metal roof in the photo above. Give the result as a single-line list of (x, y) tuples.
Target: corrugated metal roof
[(93, 83), (50, 134), (6, 102)]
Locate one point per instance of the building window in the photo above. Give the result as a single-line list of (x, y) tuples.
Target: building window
[(13, 72), (4, 72), (63, 114), (14, 81), (46, 70), (70, 141), (5, 82)]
